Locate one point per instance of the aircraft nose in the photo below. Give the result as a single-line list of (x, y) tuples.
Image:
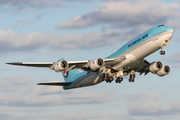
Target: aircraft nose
[(170, 32)]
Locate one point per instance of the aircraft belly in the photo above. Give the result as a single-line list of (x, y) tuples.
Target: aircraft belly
[(131, 65), (88, 80)]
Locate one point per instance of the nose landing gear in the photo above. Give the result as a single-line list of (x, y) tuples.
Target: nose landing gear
[(162, 52)]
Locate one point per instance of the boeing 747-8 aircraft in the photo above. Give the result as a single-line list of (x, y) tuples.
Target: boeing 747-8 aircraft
[(128, 60)]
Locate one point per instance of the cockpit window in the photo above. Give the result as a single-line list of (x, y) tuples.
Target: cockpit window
[(160, 25)]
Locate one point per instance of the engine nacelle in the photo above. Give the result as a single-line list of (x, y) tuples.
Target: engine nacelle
[(61, 65), (164, 71), (155, 66), (96, 64)]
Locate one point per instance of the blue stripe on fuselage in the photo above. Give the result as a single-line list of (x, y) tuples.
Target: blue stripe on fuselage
[(140, 39)]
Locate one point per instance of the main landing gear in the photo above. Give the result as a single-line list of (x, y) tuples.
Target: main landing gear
[(131, 78), (109, 79), (119, 79)]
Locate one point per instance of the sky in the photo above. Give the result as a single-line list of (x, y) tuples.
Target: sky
[(47, 30)]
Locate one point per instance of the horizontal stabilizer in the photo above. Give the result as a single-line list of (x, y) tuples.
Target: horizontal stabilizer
[(56, 83)]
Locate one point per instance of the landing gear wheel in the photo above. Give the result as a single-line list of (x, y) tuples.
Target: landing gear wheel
[(110, 79), (118, 80), (131, 78), (162, 52), (103, 77), (107, 79)]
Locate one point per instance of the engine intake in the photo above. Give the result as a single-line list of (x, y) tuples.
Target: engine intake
[(155, 66), (61, 65), (164, 71), (96, 64)]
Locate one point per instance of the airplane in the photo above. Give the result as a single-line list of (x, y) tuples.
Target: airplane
[(128, 60)]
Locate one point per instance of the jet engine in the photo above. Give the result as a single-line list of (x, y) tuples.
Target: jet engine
[(96, 64), (61, 65), (155, 66), (164, 71)]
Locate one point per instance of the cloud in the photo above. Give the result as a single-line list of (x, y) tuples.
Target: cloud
[(173, 24), (77, 0), (5, 116), (11, 41), (12, 83), (38, 17), (32, 99), (84, 1), (75, 115), (25, 22), (25, 4), (174, 58), (22, 22), (148, 105), (125, 14), (14, 87)]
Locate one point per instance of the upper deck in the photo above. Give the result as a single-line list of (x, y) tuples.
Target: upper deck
[(140, 39)]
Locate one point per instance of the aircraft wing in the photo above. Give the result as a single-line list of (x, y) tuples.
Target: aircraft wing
[(32, 64), (50, 65), (84, 65)]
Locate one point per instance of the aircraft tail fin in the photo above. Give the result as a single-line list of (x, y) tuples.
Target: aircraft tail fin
[(69, 75)]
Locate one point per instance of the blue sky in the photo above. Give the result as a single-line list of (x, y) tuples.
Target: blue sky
[(47, 30)]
